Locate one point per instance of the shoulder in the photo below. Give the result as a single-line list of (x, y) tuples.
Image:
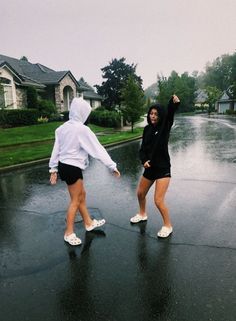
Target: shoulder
[(147, 127), (85, 130), (58, 129)]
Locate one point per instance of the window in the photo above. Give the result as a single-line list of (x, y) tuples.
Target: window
[(6, 99), (5, 81), (8, 96)]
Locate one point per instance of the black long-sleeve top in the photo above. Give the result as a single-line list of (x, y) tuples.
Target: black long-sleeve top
[(154, 146)]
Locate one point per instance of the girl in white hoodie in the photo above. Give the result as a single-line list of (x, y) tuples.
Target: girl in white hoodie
[(74, 141)]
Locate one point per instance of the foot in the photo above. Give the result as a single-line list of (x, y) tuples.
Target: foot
[(138, 218), (72, 239), (95, 224), (165, 231)]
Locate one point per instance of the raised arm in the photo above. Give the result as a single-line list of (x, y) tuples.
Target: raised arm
[(171, 109)]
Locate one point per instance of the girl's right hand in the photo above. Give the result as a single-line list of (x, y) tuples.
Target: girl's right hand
[(53, 178), (116, 173), (147, 164)]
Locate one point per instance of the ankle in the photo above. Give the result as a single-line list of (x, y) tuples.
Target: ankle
[(169, 225), (143, 213), (88, 222), (68, 232)]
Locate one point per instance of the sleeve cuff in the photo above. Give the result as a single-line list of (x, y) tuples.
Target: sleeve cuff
[(53, 170)]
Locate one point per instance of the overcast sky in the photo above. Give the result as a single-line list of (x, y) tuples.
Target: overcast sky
[(84, 35)]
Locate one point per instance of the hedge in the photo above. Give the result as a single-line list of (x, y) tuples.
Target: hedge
[(18, 117), (105, 118)]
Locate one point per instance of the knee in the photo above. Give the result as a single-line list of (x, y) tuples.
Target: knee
[(140, 194), (158, 202), (82, 197), (79, 199)]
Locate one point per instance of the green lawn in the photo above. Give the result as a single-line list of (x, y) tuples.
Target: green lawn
[(33, 133), (23, 144)]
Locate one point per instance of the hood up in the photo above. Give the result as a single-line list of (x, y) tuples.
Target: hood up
[(161, 114), (79, 110)]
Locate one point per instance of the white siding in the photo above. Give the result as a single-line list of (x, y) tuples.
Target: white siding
[(223, 107), (9, 89)]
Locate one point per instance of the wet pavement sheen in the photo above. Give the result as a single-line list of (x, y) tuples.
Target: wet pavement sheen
[(123, 272)]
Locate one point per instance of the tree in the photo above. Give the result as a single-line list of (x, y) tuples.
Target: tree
[(221, 73), (115, 75), (213, 95), (132, 97), (183, 86)]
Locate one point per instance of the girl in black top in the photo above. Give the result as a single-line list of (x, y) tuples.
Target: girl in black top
[(155, 158)]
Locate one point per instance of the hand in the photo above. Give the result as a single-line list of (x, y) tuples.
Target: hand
[(53, 178), (147, 164), (175, 99), (116, 173)]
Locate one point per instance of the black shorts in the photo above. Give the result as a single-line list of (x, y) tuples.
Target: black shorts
[(68, 173), (153, 173)]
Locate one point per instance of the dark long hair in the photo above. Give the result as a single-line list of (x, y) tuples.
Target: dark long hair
[(161, 112)]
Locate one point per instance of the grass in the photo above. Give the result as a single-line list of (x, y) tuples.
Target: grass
[(120, 136), (33, 133), (24, 144)]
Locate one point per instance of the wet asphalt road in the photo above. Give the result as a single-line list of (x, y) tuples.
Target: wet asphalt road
[(123, 272)]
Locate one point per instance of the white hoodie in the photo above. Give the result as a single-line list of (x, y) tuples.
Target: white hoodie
[(74, 141)]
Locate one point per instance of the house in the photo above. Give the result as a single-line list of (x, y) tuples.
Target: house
[(226, 102), (89, 94), (201, 100), (16, 75)]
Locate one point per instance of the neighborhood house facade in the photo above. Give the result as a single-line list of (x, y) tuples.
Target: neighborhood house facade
[(60, 87), (226, 102)]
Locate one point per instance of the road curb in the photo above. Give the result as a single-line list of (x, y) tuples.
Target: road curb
[(45, 160)]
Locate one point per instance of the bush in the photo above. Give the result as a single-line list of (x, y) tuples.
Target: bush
[(42, 120), (230, 112), (65, 115), (18, 117), (101, 108), (32, 97), (46, 108), (105, 118)]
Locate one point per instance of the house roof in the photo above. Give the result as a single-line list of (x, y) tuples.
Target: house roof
[(201, 96), (35, 73), (21, 79), (88, 91), (226, 97)]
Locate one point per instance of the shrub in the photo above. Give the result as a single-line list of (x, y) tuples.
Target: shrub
[(105, 118), (230, 112), (100, 108), (32, 97), (65, 115), (46, 108), (42, 120), (18, 117)]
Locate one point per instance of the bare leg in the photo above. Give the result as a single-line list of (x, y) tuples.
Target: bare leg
[(77, 202), (142, 190), (159, 198)]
